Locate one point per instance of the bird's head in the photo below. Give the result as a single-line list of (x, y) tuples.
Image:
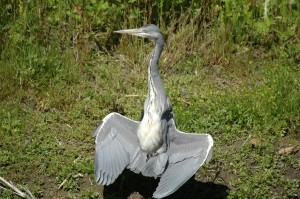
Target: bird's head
[(149, 31)]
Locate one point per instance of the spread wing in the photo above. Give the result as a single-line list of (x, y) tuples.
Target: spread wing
[(116, 142), (187, 153)]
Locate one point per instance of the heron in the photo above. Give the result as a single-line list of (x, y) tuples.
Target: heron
[(153, 146)]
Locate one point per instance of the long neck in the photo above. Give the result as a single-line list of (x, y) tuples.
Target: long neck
[(155, 85), (153, 63)]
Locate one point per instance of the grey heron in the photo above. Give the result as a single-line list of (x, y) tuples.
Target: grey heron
[(153, 146)]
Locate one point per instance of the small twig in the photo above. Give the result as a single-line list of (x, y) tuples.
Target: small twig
[(211, 170), (13, 187), (78, 175), (223, 180), (28, 192), (133, 95), (246, 140), (78, 158), (4, 188), (90, 181), (63, 182), (9, 190), (59, 142), (188, 103)]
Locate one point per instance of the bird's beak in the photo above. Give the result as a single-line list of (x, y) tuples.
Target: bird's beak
[(136, 32)]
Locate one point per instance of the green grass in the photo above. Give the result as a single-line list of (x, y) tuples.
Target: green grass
[(43, 134), (62, 73)]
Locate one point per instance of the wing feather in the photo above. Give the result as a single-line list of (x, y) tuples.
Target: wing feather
[(186, 145), (187, 153), (174, 177), (116, 141)]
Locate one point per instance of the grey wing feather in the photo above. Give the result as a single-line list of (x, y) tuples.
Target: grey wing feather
[(174, 177), (187, 153), (155, 166), (187, 145), (116, 141), (137, 161)]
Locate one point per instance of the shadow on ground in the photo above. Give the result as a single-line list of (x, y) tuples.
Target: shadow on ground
[(134, 186)]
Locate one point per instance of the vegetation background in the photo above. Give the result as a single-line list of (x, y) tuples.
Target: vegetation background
[(231, 69)]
